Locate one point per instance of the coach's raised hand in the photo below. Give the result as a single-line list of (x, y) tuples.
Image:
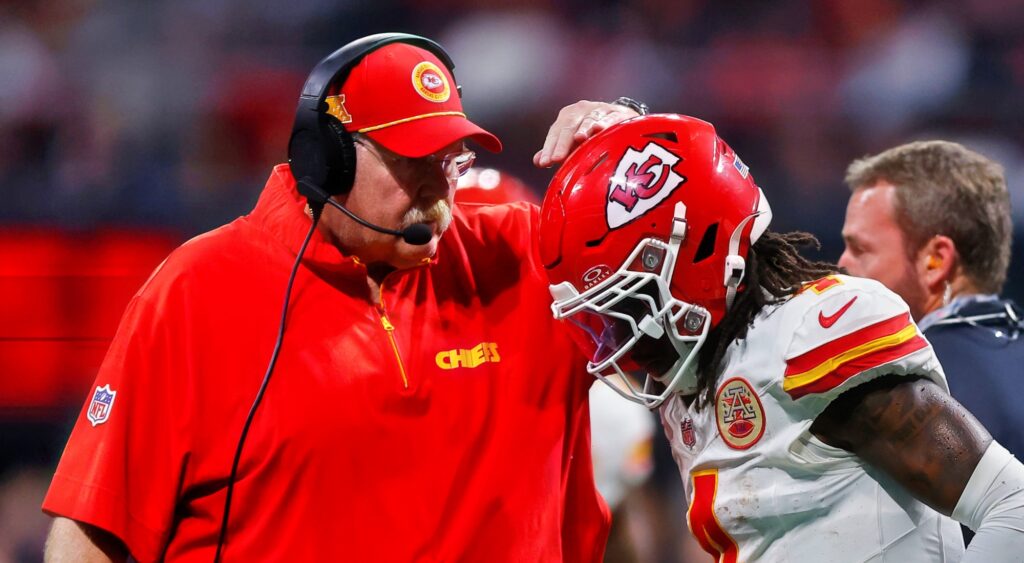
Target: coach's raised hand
[(578, 122)]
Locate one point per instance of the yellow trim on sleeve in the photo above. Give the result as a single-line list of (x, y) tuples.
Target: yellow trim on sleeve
[(831, 364)]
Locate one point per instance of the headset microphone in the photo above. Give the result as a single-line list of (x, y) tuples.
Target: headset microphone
[(417, 233)]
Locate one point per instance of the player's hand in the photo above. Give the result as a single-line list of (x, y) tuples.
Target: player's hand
[(575, 124)]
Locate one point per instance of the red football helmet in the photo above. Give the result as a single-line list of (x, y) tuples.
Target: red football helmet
[(643, 233)]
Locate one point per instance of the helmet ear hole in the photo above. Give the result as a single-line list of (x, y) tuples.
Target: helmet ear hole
[(707, 243), (597, 163), (666, 136)]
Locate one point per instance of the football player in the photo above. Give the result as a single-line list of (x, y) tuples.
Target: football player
[(808, 415)]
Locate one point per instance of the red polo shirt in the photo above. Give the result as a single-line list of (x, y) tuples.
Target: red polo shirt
[(448, 424)]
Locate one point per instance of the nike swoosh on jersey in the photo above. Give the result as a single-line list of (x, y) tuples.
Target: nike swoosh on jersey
[(828, 321)]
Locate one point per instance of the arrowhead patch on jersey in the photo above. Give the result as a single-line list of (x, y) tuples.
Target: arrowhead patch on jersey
[(642, 180), (101, 404), (740, 414)]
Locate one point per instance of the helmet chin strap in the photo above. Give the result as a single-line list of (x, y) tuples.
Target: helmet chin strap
[(735, 265), (675, 239)]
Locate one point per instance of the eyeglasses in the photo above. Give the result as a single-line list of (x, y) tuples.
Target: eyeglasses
[(453, 165)]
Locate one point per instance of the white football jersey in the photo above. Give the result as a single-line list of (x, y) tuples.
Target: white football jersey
[(760, 487)]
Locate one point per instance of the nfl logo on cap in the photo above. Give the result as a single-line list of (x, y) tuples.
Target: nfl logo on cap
[(102, 402)]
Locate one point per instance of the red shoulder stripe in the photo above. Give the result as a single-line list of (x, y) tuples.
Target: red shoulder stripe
[(836, 377), (834, 362)]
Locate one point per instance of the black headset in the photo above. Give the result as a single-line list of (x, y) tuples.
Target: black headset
[(321, 151)]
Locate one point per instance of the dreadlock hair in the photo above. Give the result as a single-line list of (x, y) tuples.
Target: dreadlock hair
[(775, 271)]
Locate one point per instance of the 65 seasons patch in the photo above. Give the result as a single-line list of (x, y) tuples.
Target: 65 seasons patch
[(430, 82), (739, 413)]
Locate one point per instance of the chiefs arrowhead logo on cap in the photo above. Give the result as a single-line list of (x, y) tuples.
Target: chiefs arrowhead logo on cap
[(430, 82)]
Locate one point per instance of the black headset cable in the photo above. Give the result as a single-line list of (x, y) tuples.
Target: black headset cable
[(317, 209)]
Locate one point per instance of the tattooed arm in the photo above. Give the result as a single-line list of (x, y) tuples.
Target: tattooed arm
[(912, 430), (929, 443)]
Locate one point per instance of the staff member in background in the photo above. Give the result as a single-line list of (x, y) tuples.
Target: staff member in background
[(931, 221), (423, 404)]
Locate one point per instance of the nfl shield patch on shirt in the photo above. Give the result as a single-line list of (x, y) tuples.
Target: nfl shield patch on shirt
[(101, 404)]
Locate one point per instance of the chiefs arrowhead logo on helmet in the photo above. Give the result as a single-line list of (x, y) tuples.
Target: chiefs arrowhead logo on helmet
[(642, 180)]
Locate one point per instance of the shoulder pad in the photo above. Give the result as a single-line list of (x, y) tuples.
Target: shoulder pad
[(844, 329)]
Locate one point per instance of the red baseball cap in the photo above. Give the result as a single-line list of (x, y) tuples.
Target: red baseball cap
[(404, 98)]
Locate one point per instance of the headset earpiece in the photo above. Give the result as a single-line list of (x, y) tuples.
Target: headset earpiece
[(307, 154), (342, 147), (320, 149)]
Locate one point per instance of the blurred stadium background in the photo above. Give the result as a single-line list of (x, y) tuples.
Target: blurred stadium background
[(128, 126)]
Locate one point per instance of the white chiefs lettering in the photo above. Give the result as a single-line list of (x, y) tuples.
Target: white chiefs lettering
[(642, 180)]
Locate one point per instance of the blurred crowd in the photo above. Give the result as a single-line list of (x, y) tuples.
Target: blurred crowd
[(167, 116), (171, 113)]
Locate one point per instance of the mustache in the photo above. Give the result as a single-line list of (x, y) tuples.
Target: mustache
[(439, 213)]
